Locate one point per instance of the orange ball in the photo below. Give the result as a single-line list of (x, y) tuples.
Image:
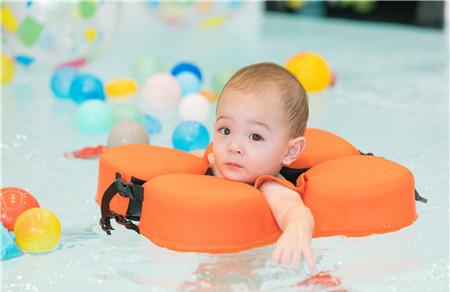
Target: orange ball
[(14, 201)]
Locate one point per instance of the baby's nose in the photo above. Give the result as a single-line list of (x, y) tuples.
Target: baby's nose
[(235, 148)]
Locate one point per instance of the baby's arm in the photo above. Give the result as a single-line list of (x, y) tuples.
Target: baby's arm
[(296, 221)]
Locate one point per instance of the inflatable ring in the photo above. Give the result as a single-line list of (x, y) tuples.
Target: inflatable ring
[(180, 208)]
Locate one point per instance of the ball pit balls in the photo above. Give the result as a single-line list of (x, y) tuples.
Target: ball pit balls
[(37, 230), (152, 124), (189, 83), (85, 87), (311, 70), (190, 135), (94, 117), (61, 81), (7, 72), (127, 132), (210, 95), (145, 66), (194, 107), (127, 112), (220, 78), (187, 67), (8, 243), (13, 202), (43, 33), (120, 88), (160, 91)]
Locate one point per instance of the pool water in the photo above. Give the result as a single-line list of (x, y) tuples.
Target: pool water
[(390, 98)]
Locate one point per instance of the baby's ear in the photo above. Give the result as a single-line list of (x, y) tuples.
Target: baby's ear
[(295, 148)]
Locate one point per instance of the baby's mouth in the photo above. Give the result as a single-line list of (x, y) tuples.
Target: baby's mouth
[(233, 164)]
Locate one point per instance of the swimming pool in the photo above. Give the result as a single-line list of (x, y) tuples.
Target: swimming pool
[(391, 98)]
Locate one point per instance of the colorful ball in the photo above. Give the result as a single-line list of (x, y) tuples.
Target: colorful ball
[(333, 79), (37, 230), (187, 67), (85, 87), (152, 124), (8, 243), (311, 70), (189, 83), (94, 117), (201, 14), (220, 78), (194, 107), (160, 91), (145, 66), (36, 32), (13, 202), (7, 72), (210, 95), (127, 132), (190, 135), (121, 88), (61, 81), (127, 112)]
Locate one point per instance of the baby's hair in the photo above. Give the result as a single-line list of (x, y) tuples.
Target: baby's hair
[(295, 101)]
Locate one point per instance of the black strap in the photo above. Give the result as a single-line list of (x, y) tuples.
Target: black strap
[(419, 198), (135, 192), (292, 174), (135, 206), (209, 172)]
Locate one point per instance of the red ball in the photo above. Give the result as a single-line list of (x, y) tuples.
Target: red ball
[(13, 202)]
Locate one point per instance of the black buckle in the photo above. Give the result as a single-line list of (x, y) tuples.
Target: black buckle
[(105, 224), (129, 190), (133, 190)]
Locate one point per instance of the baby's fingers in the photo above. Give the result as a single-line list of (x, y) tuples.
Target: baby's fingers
[(307, 252), (286, 257), (276, 255), (296, 257)]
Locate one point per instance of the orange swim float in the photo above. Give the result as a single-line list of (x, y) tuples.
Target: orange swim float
[(180, 208)]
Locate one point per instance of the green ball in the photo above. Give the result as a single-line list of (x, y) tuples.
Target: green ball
[(220, 78), (94, 117), (145, 66), (364, 7), (128, 112)]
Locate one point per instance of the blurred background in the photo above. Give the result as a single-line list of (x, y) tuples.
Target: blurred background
[(80, 76)]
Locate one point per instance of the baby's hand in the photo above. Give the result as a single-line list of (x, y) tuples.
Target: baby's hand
[(293, 245)]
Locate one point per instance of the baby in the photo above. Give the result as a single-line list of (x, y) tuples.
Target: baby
[(261, 116)]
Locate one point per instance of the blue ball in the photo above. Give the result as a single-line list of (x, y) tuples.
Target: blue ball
[(152, 125), (187, 67), (24, 60), (9, 247), (85, 87), (94, 117), (189, 83), (61, 81), (190, 135)]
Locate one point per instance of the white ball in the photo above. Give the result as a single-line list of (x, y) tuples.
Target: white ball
[(159, 92), (194, 107), (127, 132)]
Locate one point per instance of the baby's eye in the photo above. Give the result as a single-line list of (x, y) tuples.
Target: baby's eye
[(224, 131), (256, 137)]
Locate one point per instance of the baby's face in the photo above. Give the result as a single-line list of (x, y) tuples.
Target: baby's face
[(250, 135)]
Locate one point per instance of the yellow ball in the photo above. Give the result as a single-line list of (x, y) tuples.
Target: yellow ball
[(37, 230), (120, 88), (311, 70), (7, 69)]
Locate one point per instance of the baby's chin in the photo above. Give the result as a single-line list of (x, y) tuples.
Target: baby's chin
[(239, 177)]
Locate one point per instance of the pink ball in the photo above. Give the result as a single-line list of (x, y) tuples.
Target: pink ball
[(160, 91)]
